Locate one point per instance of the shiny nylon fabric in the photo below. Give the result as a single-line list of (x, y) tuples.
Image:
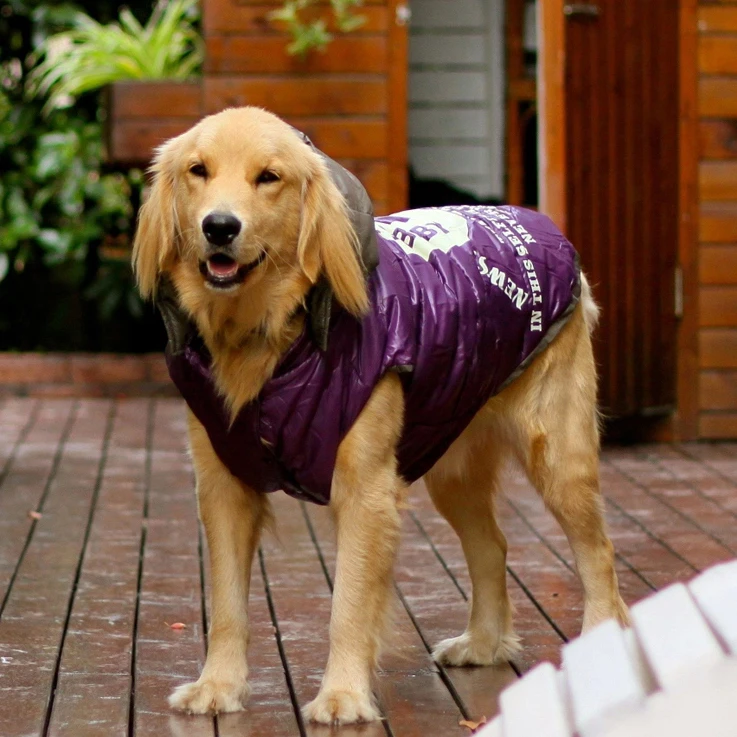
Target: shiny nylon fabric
[(461, 301)]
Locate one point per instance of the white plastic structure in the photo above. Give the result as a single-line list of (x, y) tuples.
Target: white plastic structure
[(674, 674)]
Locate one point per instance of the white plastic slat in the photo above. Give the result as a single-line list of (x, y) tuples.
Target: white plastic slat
[(535, 706), (704, 706), (715, 592), (492, 729), (602, 679), (673, 635)]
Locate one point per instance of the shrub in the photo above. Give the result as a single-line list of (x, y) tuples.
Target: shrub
[(65, 219), (92, 55)]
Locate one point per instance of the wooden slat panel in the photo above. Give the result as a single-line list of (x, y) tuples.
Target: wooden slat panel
[(718, 97), (229, 54), (229, 17), (718, 180), (32, 627), (156, 100), (319, 96), (620, 173), (718, 222), (718, 347), (718, 306), (718, 264), (235, 3), (718, 138), (715, 19), (357, 139), (134, 141), (374, 175), (718, 390), (718, 425), (718, 54)]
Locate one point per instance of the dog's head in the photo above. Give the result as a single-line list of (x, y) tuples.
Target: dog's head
[(241, 205)]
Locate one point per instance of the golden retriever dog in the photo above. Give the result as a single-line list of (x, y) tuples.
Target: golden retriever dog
[(246, 174)]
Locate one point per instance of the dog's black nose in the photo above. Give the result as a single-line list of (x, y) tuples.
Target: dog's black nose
[(220, 228)]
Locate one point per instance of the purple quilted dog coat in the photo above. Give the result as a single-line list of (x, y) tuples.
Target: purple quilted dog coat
[(462, 299)]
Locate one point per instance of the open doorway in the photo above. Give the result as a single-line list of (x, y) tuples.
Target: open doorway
[(472, 102)]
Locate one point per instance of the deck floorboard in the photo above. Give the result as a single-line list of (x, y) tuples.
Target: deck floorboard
[(101, 551)]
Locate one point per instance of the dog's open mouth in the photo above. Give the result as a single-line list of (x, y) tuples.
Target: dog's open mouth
[(222, 271)]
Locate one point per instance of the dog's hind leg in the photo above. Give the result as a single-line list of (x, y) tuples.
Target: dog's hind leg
[(462, 486), (233, 516), (553, 413)]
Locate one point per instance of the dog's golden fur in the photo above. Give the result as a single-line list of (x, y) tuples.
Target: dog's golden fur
[(546, 419)]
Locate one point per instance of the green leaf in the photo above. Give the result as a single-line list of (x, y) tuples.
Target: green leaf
[(57, 241), (4, 265)]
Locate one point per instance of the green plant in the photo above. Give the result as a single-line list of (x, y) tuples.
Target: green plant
[(65, 219), (310, 33), (92, 55)]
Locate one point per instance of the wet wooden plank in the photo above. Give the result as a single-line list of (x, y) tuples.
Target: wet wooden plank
[(34, 618), (27, 471), (677, 495), (170, 587), (718, 458), (681, 534), (671, 510), (16, 418), (94, 683)]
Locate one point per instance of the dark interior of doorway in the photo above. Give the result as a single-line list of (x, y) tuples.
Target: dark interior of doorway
[(521, 160)]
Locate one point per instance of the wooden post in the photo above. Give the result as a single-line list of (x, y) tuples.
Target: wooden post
[(687, 419), (551, 111)]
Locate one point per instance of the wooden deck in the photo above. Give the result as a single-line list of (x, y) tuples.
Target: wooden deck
[(89, 588)]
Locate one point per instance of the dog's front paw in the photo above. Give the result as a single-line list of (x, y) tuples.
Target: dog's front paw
[(341, 707), (207, 696), (470, 650)]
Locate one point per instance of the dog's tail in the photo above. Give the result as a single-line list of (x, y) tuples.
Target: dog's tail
[(590, 308)]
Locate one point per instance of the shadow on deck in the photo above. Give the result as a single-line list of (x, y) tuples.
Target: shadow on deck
[(111, 555)]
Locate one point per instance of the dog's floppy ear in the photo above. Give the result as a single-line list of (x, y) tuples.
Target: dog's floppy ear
[(154, 244), (328, 244)]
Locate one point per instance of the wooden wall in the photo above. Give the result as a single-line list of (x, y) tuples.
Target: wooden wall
[(350, 100), (717, 253)]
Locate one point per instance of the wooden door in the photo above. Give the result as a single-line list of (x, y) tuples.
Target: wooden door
[(617, 141)]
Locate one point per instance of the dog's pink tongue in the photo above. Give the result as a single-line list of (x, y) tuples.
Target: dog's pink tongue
[(222, 267)]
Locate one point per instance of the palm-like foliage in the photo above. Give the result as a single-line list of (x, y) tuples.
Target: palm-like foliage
[(92, 55)]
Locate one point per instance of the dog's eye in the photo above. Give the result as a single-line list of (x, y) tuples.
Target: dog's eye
[(267, 176), (198, 170)]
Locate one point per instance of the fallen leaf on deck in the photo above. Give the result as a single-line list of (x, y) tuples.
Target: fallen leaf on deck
[(35, 515), (176, 625), (473, 726)]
